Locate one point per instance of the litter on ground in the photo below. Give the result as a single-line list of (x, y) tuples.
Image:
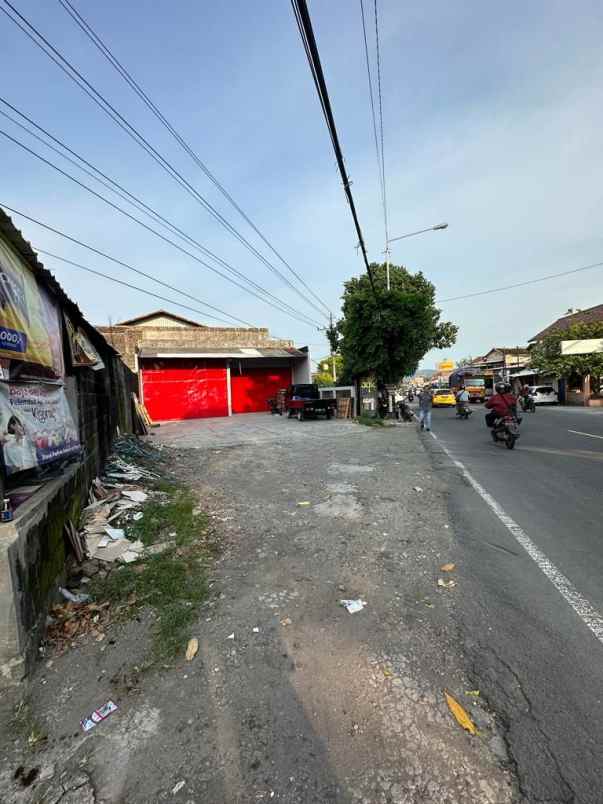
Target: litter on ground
[(353, 606), (461, 716), (98, 716), (446, 584), (191, 649)]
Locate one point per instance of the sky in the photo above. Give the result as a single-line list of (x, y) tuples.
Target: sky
[(492, 122)]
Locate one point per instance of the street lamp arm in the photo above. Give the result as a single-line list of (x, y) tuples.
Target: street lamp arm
[(421, 231)]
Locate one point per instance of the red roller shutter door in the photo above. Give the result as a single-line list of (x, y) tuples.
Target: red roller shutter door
[(185, 389), (254, 386)]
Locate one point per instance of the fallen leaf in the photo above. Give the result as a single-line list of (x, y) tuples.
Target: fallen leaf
[(448, 567), (461, 716), (472, 693), (446, 584), (191, 649)]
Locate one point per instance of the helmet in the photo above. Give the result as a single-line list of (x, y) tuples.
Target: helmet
[(500, 387)]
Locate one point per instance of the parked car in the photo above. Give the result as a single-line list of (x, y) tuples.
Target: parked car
[(443, 397), (544, 395)]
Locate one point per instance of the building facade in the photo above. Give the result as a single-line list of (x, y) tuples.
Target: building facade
[(187, 370)]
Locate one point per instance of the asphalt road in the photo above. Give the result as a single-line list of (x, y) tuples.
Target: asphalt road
[(530, 653)]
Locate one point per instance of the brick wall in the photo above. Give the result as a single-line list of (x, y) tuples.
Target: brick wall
[(126, 340)]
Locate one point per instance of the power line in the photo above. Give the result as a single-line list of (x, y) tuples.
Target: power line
[(74, 75), (371, 97), (522, 284), (302, 16), (141, 206), (124, 212), (384, 185), (128, 285), (123, 264), (135, 86)]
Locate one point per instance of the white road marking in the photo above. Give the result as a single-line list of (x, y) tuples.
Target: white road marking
[(589, 616), (590, 435)]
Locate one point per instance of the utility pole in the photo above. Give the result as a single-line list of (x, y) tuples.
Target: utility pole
[(333, 372), (387, 266)]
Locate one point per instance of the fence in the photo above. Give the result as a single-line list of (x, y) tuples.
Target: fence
[(346, 399)]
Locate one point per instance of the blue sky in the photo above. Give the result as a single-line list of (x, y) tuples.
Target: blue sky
[(493, 120)]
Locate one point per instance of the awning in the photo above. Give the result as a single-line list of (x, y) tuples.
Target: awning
[(238, 353), (526, 372)]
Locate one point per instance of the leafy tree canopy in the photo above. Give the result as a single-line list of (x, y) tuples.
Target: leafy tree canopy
[(324, 375), (389, 337), (546, 357)]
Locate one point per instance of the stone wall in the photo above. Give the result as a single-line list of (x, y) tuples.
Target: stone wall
[(127, 340)]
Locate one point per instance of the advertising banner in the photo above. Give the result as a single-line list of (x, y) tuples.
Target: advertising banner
[(36, 425), (30, 327), (83, 353)]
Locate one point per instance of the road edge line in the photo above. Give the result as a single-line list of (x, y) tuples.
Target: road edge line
[(587, 613)]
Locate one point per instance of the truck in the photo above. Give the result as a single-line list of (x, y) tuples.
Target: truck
[(474, 384), (303, 401)]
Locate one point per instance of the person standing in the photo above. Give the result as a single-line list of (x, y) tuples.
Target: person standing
[(425, 406)]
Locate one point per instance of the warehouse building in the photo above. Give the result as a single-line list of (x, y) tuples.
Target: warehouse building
[(187, 370)]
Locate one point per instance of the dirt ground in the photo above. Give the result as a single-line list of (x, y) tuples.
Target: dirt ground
[(290, 698)]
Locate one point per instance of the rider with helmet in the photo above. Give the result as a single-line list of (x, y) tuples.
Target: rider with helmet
[(502, 403)]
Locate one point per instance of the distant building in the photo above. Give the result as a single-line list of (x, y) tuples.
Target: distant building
[(188, 370)]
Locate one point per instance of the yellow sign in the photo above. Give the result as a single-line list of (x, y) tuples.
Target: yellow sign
[(29, 322), (446, 365)]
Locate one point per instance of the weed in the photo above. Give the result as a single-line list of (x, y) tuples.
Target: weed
[(173, 583), (25, 725), (369, 421), (176, 514)]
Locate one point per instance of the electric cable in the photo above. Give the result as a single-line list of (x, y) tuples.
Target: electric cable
[(150, 229), (140, 205), (302, 16), (76, 76), (522, 284), (94, 37), (123, 264)]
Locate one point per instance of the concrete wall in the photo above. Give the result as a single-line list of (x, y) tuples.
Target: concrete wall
[(126, 340), (33, 547), (32, 563)]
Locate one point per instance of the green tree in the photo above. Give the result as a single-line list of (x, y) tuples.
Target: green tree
[(465, 361), (388, 335), (324, 375), (546, 357)]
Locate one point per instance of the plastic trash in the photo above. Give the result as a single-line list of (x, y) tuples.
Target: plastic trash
[(79, 598), (98, 716), (353, 606)]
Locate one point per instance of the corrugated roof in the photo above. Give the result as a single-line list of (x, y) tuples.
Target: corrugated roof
[(29, 256), (242, 352), (591, 315)]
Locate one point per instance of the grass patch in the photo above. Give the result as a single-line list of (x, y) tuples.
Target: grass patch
[(25, 725), (369, 421), (175, 513), (174, 582)]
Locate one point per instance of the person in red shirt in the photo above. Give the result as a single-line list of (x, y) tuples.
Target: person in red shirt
[(502, 403)]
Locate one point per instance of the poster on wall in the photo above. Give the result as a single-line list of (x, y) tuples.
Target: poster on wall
[(36, 425), (30, 327), (82, 352)]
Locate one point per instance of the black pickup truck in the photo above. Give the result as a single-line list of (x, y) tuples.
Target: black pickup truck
[(304, 401)]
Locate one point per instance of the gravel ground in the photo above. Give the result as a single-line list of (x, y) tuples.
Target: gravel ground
[(305, 703)]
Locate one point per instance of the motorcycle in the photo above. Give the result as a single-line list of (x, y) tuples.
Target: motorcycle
[(463, 411), (506, 429), (403, 412), (527, 404)]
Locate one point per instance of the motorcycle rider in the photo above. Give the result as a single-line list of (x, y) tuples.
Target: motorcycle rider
[(525, 396), (462, 399), (502, 403)]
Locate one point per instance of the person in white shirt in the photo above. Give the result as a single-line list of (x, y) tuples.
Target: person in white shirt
[(19, 452)]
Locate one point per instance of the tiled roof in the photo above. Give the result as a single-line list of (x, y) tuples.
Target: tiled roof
[(592, 315)]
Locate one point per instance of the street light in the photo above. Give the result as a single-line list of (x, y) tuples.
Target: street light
[(435, 228)]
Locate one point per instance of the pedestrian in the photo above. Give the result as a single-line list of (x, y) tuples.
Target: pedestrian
[(425, 405)]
